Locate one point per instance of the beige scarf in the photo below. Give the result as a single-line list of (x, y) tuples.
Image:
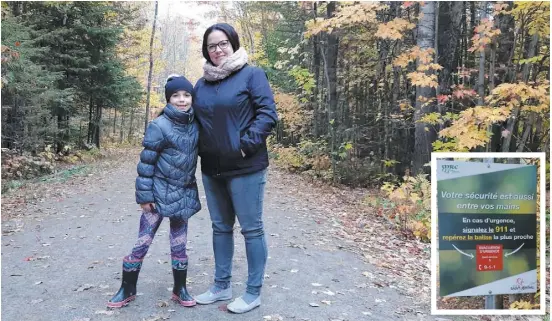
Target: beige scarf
[(235, 62)]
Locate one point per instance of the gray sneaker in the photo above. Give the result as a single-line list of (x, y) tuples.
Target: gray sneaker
[(214, 294), (239, 305)]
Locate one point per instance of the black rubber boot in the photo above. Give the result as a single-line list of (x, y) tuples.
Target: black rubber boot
[(180, 293), (127, 292)]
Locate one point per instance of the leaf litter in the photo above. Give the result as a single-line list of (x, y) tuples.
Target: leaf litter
[(401, 263)]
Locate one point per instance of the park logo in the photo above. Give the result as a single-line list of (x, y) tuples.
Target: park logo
[(521, 286), (449, 169)]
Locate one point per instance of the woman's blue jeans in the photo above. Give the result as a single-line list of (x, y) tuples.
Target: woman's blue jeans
[(240, 196)]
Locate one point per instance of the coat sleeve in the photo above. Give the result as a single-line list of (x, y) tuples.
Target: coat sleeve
[(265, 113), (153, 141)]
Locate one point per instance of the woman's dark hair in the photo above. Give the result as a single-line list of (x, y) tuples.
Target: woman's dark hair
[(230, 33)]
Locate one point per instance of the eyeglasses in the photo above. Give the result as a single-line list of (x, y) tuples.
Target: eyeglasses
[(222, 45)]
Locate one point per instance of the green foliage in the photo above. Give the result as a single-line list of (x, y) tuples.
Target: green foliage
[(304, 79), (64, 62), (27, 90)]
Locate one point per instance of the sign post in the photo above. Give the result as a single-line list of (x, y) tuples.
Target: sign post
[(487, 224)]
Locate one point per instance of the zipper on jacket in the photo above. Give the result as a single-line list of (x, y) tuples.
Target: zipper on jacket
[(218, 85)]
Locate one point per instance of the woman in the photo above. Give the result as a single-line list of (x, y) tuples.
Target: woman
[(236, 110)]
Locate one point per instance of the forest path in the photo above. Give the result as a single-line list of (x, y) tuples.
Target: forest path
[(62, 251)]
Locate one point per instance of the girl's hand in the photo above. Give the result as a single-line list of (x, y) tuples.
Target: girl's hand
[(148, 207)]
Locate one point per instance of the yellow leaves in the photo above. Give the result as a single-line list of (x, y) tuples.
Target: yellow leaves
[(424, 57), (394, 29), (527, 96), (389, 162), (537, 15), (449, 146), (412, 205), (403, 60), (405, 105), (430, 67), (432, 119), (523, 305), (423, 76), (470, 129), (259, 56), (315, 26), (423, 80), (294, 117), (346, 16), (484, 35)]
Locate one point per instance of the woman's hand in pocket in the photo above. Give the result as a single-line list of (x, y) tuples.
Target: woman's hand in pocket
[(148, 207)]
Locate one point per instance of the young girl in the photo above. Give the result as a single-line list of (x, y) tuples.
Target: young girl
[(166, 187)]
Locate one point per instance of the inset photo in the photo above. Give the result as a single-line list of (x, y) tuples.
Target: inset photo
[(488, 233)]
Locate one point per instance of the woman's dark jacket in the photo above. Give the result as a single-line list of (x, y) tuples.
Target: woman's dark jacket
[(236, 113), (166, 171)]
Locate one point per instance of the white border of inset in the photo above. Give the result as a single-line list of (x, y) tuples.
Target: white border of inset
[(543, 286)]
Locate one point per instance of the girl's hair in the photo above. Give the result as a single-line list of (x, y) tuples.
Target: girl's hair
[(230, 33)]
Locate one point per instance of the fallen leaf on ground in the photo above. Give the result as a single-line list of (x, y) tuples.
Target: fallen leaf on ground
[(328, 292), (312, 304), (105, 312), (84, 287), (158, 317), (162, 304)]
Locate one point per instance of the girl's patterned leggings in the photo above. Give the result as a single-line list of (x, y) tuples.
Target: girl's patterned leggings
[(149, 223)]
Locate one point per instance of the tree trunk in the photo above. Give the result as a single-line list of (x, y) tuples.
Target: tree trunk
[(511, 123), (114, 122), (331, 70), (505, 44), (481, 77), (90, 122), (98, 126), (122, 128), (316, 68), (146, 120), (131, 125), (424, 135)]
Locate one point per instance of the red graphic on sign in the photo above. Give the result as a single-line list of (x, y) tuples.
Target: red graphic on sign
[(488, 257)]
